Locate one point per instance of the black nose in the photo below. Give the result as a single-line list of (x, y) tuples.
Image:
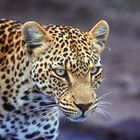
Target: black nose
[(83, 107)]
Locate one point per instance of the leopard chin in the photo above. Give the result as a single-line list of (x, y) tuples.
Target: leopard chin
[(79, 117)]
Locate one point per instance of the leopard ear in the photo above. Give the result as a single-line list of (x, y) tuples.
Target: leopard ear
[(99, 34), (35, 36)]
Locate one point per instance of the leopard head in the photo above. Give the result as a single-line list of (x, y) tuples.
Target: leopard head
[(66, 64)]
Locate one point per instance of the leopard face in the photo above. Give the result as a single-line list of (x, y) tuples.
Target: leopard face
[(66, 65)]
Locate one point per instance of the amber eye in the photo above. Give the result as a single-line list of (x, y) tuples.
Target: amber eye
[(95, 70), (60, 72)]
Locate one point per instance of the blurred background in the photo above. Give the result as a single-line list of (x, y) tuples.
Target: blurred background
[(121, 59)]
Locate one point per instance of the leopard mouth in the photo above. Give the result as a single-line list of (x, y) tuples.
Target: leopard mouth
[(82, 117), (76, 118)]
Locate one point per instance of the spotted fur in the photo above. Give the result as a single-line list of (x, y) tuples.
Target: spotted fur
[(47, 72)]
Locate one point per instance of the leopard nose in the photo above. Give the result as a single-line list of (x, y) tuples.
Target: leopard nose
[(83, 107)]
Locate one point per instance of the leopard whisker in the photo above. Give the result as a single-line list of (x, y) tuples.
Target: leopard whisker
[(103, 111), (104, 103), (61, 114), (41, 118), (26, 110), (104, 96), (48, 113), (102, 106)]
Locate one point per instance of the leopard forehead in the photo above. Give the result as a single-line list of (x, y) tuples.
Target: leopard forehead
[(70, 45)]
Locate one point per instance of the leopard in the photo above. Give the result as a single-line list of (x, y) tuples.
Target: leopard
[(47, 73)]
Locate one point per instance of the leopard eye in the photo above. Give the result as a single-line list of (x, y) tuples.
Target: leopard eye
[(60, 72), (95, 70)]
